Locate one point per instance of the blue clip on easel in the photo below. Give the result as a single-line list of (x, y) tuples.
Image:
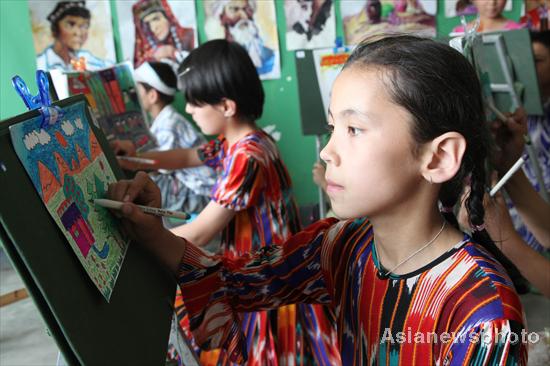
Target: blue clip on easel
[(339, 46), (41, 101)]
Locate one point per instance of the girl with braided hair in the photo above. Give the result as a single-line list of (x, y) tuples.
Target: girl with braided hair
[(406, 285)]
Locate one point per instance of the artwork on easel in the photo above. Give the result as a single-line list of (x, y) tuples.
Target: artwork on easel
[(68, 169), (328, 65), (113, 98)]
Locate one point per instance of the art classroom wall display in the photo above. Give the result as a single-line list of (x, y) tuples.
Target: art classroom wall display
[(156, 30), (309, 24), (455, 8), (250, 23), (364, 18), (68, 169), (60, 37), (328, 65), (113, 98)]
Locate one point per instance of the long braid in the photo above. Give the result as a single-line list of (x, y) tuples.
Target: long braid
[(476, 213)]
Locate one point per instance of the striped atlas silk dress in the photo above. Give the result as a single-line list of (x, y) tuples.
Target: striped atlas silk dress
[(253, 181), (459, 309)]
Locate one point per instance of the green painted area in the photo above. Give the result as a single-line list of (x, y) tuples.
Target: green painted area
[(17, 56)]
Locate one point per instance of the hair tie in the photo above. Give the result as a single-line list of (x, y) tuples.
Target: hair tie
[(447, 209), (478, 228)]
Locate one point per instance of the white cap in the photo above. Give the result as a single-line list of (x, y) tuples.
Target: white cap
[(146, 74)]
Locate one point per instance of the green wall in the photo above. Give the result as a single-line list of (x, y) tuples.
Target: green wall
[(281, 108)]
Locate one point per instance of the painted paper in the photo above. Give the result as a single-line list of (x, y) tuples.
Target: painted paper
[(68, 169), (113, 98), (250, 23), (455, 8), (156, 30), (309, 24), (61, 38), (368, 17), (328, 65)]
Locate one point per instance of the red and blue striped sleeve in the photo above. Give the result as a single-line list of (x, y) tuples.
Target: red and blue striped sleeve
[(242, 182), (217, 288)]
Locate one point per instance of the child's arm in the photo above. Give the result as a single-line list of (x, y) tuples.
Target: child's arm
[(212, 219), (217, 288), (167, 159), (534, 211), (533, 265), (173, 159)]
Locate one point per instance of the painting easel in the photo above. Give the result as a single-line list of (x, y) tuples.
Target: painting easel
[(509, 76), (87, 329)]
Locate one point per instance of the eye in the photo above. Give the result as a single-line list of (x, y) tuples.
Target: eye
[(354, 131)]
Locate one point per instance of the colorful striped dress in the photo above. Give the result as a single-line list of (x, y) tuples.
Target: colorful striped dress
[(431, 316), (253, 181)]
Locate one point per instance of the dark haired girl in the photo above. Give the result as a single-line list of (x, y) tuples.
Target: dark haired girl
[(406, 285), (251, 204)]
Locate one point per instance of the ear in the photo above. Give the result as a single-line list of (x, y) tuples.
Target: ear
[(229, 107), (442, 157), (153, 96)]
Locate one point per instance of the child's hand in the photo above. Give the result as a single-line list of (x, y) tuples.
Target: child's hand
[(142, 227), (123, 147), (509, 138)]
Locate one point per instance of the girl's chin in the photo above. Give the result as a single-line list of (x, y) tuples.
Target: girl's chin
[(345, 213)]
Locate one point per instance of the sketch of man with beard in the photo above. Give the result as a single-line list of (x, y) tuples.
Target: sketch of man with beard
[(237, 19)]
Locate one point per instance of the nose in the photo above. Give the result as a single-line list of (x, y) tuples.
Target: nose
[(328, 154)]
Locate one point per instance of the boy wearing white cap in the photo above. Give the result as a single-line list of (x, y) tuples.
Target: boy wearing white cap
[(184, 189)]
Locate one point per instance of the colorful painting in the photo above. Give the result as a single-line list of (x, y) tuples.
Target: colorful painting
[(112, 95), (328, 65), (455, 8), (309, 24), (252, 24), (70, 35), (151, 31), (364, 18), (68, 169)]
